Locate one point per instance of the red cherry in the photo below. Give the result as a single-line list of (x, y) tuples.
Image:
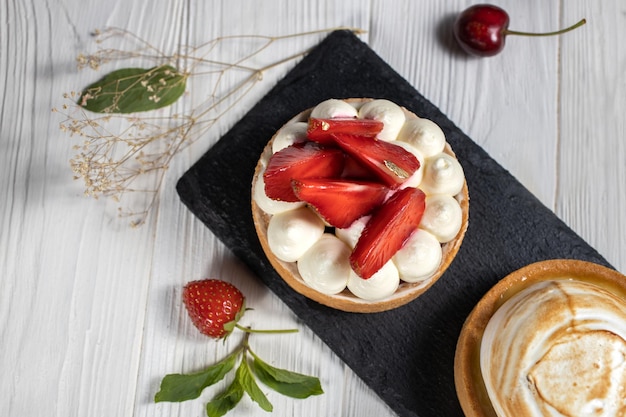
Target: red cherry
[(481, 29)]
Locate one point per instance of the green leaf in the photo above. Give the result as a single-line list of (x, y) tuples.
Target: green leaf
[(179, 387), (246, 379), (230, 326), (226, 401), (130, 90), (291, 384)]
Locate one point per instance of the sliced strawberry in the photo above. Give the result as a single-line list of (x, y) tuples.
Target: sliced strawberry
[(321, 130), (300, 160), (391, 163), (340, 202), (355, 170), (387, 231)]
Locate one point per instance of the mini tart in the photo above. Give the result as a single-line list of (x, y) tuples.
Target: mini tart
[(345, 300), (470, 387)]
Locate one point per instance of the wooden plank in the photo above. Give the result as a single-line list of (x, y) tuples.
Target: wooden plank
[(591, 148), (506, 103), (91, 308)]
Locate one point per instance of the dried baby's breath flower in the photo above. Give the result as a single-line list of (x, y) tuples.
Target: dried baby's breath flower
[(121, 155)]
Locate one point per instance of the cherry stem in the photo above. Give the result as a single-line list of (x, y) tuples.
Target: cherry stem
[(558, 32), (250, 330)]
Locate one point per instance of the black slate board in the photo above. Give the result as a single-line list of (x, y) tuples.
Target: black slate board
[(405, 355)]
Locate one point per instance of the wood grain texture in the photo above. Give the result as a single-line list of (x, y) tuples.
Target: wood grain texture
[(591, 149), (90, 312)]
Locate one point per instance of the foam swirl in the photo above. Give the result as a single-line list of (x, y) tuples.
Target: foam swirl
[(557, 348)]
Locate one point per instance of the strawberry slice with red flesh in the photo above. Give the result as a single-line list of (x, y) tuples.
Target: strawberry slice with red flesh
[(340, 202), (321, 130), (300, 160), (392, 164), (387, 231), (355, 170)]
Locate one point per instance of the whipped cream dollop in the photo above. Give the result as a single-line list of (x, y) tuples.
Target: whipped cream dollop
[(443, 217), (297, 234), (424, 135), (419, 258), (334, 109), (443, 174), (379, 286), (385, 111), (558, 349), (350, 235), (325, 266), (289, 134), (291, 233)]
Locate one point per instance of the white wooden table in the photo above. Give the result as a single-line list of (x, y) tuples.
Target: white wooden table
[(90, 310)]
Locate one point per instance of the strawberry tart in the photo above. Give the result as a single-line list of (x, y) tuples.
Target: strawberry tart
[(359, 204)]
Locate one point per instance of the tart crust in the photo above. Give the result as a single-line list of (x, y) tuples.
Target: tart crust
[(345, 300), (470, 388)]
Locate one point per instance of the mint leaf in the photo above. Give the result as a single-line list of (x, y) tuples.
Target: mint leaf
[(250, 386), (291, 384), (226, 401), (179, 387), (130, 90)]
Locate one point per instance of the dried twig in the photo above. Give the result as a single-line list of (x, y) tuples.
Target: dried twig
[(123, 154)]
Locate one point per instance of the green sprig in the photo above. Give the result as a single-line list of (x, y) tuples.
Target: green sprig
[(183, 387), (288, 383)]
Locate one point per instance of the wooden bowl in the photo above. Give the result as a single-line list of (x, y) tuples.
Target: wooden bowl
[(470, 387), (345, 300)]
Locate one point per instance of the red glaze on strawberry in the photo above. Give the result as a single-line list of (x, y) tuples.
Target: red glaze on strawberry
[(340, 202), (387, 231), (298, 161), (321, 130), (392, 164), (355, 170), (213, 304)]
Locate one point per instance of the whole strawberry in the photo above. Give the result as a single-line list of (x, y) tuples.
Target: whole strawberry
[(214, 306)]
